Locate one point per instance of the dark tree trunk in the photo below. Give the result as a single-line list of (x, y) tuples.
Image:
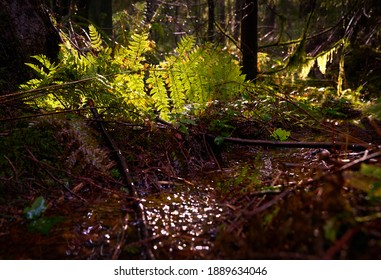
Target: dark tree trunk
[(221, 18), (195, 9), (211, 20), (101, 13), (25, 30), (249, 40)]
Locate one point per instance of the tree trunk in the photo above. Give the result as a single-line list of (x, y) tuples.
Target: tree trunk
[(221, 18), (211, 20), (249, 40), (25, 30)]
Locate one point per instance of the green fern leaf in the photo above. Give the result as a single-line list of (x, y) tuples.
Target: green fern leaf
[(39, 70), (179, 74), (44, 61), (31, 84), (95, 37), (47, 66), (177, 93), (185, 46), (156, 82), (139, 45)]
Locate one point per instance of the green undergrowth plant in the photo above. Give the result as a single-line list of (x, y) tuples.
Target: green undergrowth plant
[(281, 134), (244, 178), (37, 222), (126, 84)]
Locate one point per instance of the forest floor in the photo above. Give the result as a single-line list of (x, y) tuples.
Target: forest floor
[(62, 195)]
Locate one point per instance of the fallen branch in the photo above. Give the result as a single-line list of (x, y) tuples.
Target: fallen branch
[(123, 168), (289, 144), (356, 162)]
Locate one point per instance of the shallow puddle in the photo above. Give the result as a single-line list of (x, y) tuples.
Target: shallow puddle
[(183, 220)]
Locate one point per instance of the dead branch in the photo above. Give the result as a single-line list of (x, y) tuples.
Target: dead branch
[(123, 168), (270, 203), (290, 144)]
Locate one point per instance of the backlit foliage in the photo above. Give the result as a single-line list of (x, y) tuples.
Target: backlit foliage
[(123, 80)]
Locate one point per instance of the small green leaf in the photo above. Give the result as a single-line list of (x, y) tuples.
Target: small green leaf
[(38, 207), (281, 134), (219, 140), (330, 229)]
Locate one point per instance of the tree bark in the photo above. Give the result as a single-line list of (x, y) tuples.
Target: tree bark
[(221, 18), (211, 19), (249, 39), (25, 30)]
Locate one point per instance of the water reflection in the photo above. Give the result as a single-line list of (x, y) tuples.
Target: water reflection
[(184, 217)]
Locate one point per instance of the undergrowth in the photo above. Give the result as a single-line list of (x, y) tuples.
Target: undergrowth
[(125, 82)]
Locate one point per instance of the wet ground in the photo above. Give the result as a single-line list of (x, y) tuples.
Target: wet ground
[(183, 219), (192, 217)]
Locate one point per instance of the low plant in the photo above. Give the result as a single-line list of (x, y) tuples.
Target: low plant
[(37, 222), (125, 83)]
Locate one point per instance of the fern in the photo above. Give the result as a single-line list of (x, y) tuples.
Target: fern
[(185, 46), (131, 87), (197, 75), (156, 84), (47, 68), (96, 39), (133, 56), (180, 75), (177, 92)]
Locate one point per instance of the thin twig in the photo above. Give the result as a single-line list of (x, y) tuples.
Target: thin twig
[(48, 114), (13, 168), (269, 203), (122, 240), (339, 244)]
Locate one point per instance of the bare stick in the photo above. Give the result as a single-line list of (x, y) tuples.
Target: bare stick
[(289, 144)]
